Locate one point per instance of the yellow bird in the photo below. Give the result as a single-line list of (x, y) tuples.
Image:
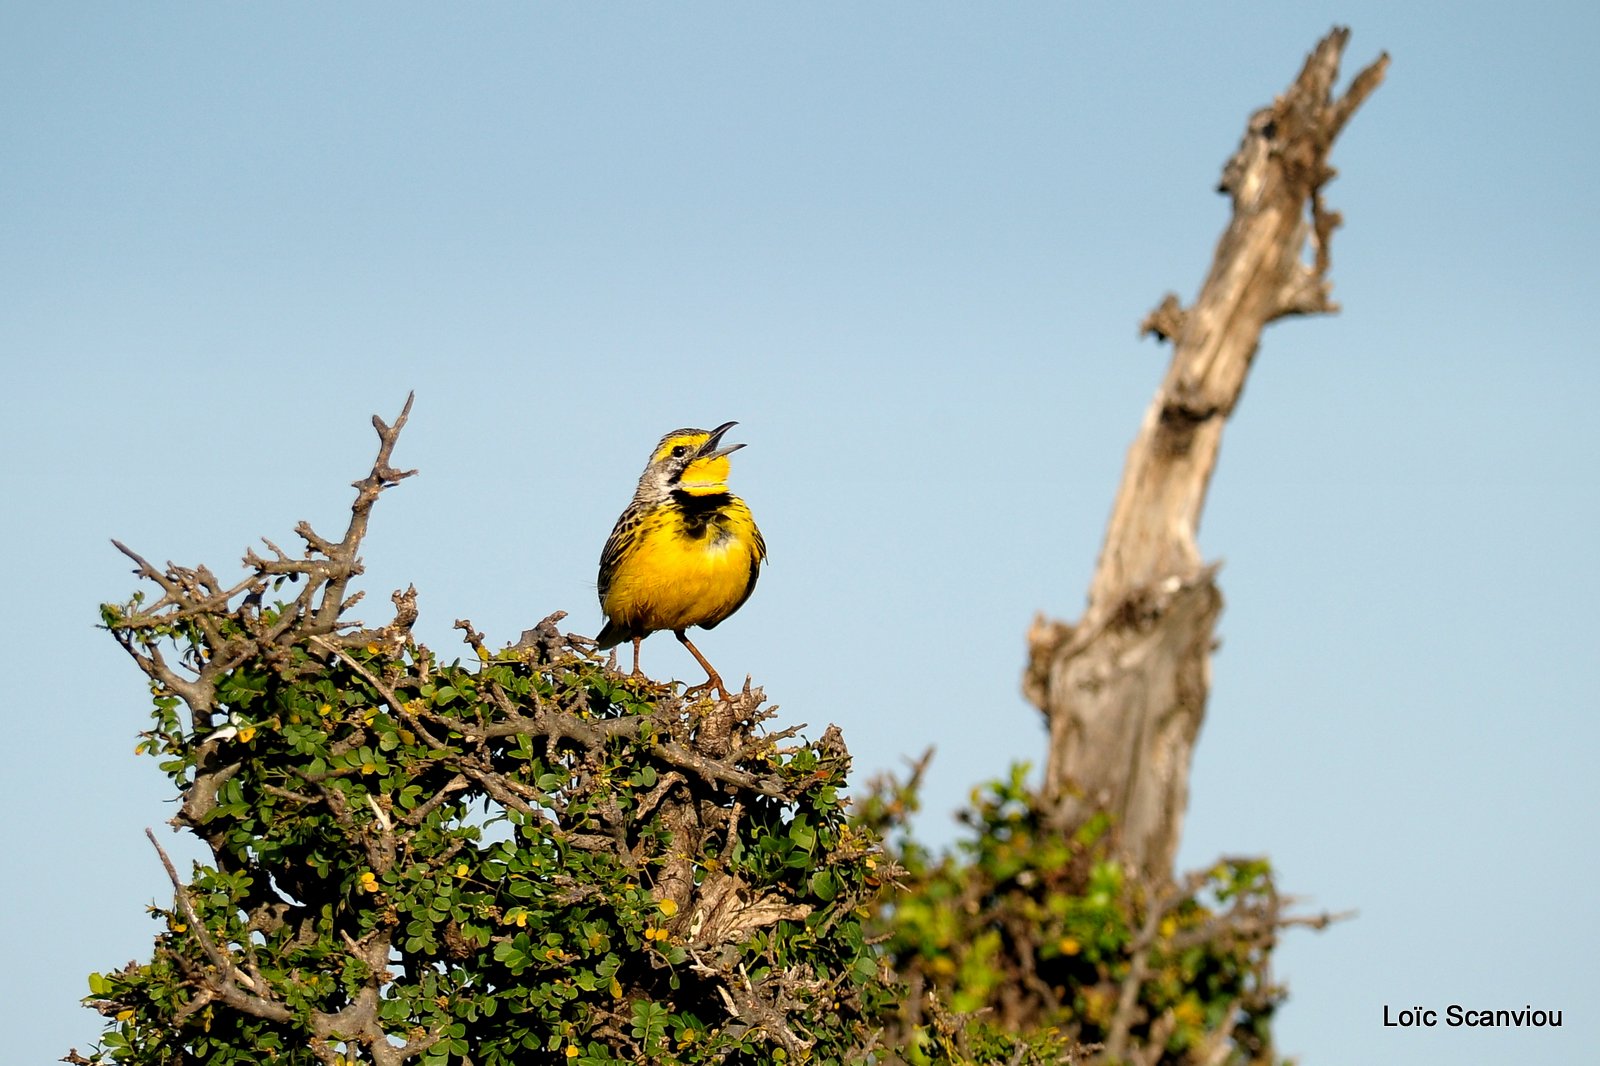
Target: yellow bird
[(686, 552)]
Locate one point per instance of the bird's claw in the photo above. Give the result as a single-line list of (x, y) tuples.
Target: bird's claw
[(706, 686)]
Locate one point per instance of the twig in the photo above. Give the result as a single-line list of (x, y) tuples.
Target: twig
[(229, 983)]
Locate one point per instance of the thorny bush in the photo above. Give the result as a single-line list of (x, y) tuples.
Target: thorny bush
[(524, 857), (529, 857)]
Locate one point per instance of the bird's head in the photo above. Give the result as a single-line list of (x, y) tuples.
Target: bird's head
[(690, 460)]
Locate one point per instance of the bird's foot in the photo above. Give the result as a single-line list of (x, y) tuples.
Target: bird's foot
[(712, 682), (645, 683)]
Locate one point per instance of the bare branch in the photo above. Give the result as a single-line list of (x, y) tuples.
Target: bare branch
[(1124, 688), (229, 983), (368, 489)]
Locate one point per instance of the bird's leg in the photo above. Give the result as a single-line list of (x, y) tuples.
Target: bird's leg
[(713, 679), (636, 642)]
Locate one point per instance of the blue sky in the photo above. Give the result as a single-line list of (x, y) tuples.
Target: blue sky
[(907, 247)]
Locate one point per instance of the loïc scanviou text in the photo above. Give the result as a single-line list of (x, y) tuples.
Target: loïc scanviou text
[(1455, 1015)]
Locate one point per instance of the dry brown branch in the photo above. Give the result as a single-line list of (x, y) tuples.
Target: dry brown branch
[(193, 597), (228, 983), (1124, 688)]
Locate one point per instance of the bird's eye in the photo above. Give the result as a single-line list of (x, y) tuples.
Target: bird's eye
[(680, 451)]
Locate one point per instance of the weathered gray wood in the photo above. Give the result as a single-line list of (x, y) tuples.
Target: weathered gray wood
[(1124, 689)]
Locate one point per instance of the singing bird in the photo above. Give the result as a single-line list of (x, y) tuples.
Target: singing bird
[(686, 552)]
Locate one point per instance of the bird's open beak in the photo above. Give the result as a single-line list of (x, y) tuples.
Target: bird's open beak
[(709, 449)]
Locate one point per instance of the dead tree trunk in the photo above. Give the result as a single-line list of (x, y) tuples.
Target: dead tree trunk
[(1124, 689)]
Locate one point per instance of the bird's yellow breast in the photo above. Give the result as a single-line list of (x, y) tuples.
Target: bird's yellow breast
[(685, 570)]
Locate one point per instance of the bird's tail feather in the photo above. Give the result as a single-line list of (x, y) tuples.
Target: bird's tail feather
[(610, 636)]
